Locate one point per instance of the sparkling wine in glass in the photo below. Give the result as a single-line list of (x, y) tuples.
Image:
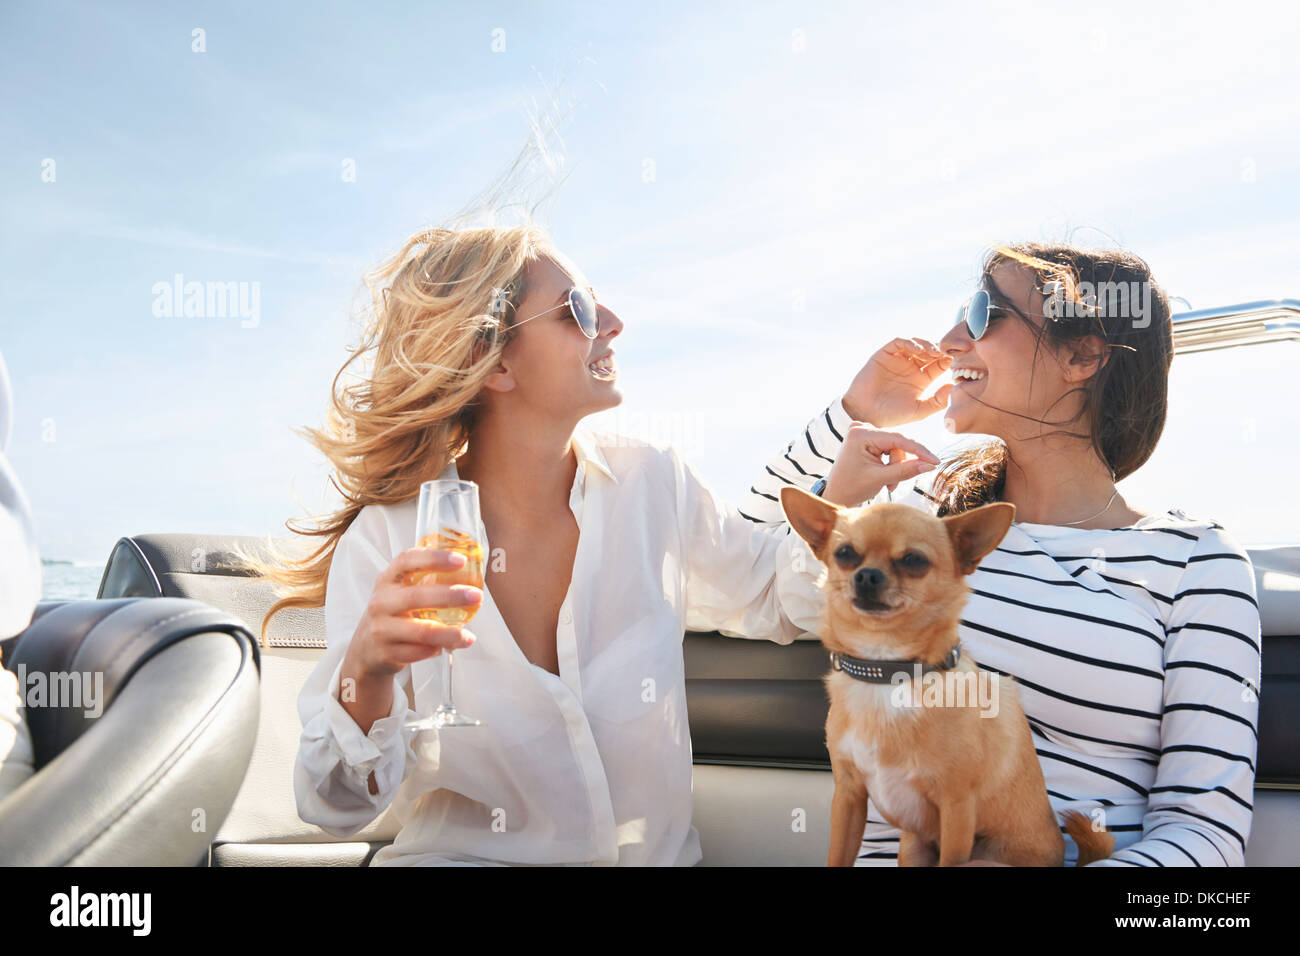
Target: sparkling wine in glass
[(448, 518)]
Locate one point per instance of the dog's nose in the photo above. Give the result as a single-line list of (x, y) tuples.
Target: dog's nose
[(868, 580)]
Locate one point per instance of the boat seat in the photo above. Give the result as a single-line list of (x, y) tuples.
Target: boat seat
[(142, 715), (263, 827), (757, 713)]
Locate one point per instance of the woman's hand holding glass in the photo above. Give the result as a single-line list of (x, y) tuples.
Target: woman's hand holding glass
[(397, 628), (391, 635)]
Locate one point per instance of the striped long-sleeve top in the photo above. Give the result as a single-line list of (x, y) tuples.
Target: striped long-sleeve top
[(1137, 654)]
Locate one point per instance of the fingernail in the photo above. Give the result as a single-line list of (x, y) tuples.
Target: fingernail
[(467, 593), (458, 559)]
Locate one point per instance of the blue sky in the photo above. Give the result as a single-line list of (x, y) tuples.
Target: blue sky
[(766, 194)]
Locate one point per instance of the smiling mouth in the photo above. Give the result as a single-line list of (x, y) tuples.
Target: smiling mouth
[(968, 377), (603, 369)]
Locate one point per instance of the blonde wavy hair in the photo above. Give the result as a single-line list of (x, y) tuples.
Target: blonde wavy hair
[(441, 314)]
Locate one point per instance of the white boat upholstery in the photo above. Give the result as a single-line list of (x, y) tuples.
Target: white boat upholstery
[(757, 718)]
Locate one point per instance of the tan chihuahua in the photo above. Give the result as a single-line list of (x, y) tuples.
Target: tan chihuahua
[(942, 747)]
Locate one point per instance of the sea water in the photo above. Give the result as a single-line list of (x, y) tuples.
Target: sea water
[(70, 580)]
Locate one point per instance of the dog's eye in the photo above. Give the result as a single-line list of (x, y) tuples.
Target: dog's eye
[(846, 556), (913, 561)]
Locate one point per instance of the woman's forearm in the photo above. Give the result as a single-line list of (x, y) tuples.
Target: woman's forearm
[(807, 458), (366, 698)]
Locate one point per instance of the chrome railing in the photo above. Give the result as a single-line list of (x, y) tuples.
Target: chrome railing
[(1251, 323)]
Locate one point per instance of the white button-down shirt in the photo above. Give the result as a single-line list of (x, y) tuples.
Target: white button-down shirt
[(592, 766), (20, 590)]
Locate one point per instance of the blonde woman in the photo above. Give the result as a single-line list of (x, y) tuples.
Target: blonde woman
[(488, 349)]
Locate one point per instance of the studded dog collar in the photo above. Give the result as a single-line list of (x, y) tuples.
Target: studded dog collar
[(883, 672)]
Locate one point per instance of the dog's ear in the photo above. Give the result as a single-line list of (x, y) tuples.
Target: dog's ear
[(976, 532), (812, 518)]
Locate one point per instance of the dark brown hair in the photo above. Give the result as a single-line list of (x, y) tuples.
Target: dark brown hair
[(1125, 401)]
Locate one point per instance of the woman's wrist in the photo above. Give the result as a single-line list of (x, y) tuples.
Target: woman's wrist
[(366, 696), (836, 494), (856, 410)]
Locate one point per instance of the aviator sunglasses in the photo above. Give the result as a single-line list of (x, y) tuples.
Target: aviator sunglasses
[(581, 304), (978, 314)]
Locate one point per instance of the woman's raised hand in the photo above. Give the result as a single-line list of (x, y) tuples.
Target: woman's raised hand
[(387, 637), (887, 390), (871, 459)]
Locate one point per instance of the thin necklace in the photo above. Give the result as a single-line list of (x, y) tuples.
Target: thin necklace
[(1103, 510)]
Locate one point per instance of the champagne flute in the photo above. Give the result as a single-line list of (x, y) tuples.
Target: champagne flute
[(448, 518)]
